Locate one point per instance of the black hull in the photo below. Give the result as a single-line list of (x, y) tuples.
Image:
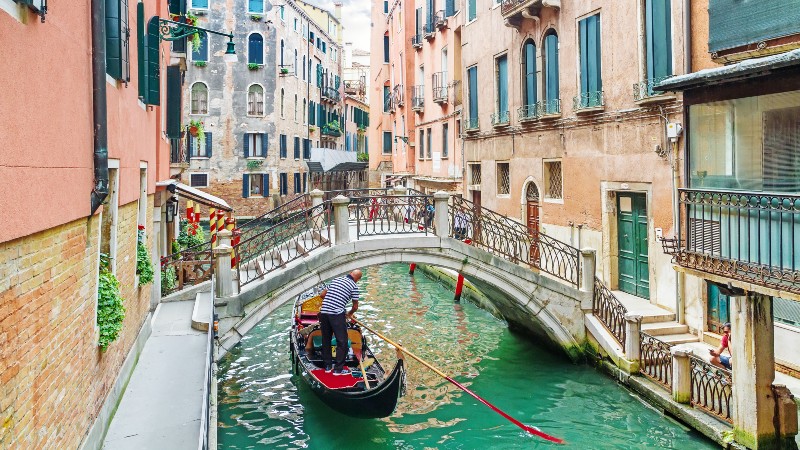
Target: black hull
[(379, 401)]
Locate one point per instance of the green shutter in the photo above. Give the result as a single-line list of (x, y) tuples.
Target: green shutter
[(551, 68), (659, 39), (530, 73), (152, 64), (733, 23), (472, 80), (140, 50), (246, 145), (177, 7), (174, 109), (124, 31), (589, 35), (209, 143), (113, 39), (245, 185), (502, 84)]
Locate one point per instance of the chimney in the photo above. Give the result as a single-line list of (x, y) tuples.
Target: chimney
[(337, 11)]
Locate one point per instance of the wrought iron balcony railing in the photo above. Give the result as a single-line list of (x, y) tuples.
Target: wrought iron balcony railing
[(440, 19), (418, 98), (471, 124), (501, 118), (398, 97), (588, 100), (752, 237), (510, 7), (528, 112), (331, 93), (331, 131), (416, 41), (549, 107), (646, 88), (440, 87), (429, 29)]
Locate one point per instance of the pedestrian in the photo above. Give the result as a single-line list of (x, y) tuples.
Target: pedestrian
[(718, 359), (460, 225), (332, 319), (430, 212)]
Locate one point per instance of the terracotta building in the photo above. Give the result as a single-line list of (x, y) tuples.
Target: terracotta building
[(82, 161)]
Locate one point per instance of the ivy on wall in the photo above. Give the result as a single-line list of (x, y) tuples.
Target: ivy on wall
[(110, 310), (144, 265)]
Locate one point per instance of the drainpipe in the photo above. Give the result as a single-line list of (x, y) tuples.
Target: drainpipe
[(687, 38), (100, 190)]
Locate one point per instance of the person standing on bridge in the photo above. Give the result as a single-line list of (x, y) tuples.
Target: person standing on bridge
[(332, 319)]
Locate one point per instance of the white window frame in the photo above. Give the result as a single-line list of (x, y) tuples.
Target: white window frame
[(255, 144), (262, 100), (113, 209), (546, 184), (191, 99)]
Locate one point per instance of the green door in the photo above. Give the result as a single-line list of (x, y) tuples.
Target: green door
[(718, 309), (634, 276)]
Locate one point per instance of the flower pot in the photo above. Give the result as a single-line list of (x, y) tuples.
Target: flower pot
[(194, 131)]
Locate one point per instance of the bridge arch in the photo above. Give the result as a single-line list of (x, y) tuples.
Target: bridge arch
[(534, 302)]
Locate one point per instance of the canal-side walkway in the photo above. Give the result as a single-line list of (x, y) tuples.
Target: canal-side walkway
[(162, 407)]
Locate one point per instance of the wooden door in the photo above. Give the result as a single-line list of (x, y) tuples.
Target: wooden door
[(634, 273), (532, 198)]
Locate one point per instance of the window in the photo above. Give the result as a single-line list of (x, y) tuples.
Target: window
[(283, 146), (199, 4), (591, 80), (387, 99), (312, 113), (298, 185), (295, 63), (255, 49), (475, 174), (445, 143), (386, 6), (199, 98), (304, 67), (283, 99), (552, 180), (472, 10), (198, 148), (304, 112), (503, 179), (306, 149), (110, 217), (282, 12), (255, 6), (149, 51), (201, 55), (284, 178), (255, 100), (386, 48), (472, 86), (296, 147), (421, 144), (283, 48), (529, 73), (501, 75), (550, 70), (198, 180), (387, 142), (658, 39), (255, 145), (117, 42), (255, 185), (295, 107), (430, 143)]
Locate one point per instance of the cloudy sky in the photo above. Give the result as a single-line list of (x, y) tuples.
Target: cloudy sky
[(355, 18)]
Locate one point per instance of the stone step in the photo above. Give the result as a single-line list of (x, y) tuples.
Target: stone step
[(202, 313), (658, 318), (676, 339), (664, 328)]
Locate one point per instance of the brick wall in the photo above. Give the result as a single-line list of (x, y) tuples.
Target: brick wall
[(53, 377)]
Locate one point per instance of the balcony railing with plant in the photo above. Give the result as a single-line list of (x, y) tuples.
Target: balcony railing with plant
[(747, 236), (331, 93), (398, 95), (587, 100), (332, 129), (429, 29), (418, 98), (646, 88), (501, 118)]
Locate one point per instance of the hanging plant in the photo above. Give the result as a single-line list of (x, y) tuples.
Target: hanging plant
[(254, 164), (253, 66), (312, 129), (363, 157), (110, 310), (255, 17), (200, 63), (284, 70), (144, 266), (197, 129)]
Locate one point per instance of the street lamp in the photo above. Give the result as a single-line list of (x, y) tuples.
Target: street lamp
[(172, 31), (230, 53)]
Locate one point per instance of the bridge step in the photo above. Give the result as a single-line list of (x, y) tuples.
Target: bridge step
[(203, 311), (650, 313), (664, 328), (676, 339)]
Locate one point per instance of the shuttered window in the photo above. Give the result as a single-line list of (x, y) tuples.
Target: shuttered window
[(201, 54), (529, 73), (117, 40), (386, 49), (151, 64), (255, 185), (658, 39), (174, 97), (199, 4), (284, 183), (591, 80), (551, 87), (472, 85), (296, 147), (298, 186), (306, 149), (387, 142), (200, 148), (421, 144), (445, 137), (502, 84), (255, 49), (283, 145), (255, 145)]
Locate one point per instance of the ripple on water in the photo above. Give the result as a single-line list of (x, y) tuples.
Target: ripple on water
[(261, 404)]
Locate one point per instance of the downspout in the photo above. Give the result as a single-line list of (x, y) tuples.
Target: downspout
[(680, 277), (100, 190)]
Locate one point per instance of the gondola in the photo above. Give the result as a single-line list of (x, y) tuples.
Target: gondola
[(347, 394)]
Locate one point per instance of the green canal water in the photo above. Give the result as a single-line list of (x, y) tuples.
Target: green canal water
[(261, 405)]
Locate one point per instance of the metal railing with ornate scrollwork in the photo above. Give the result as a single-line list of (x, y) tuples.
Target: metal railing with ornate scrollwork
[(509, 6), (550, 107), (391, 214), (528, 112), (511, 240), (501, 118), (655, 360), (646, 88), (288, 240), (471, 123), (187, 267), (712, 388), (269, 218), (609, 310), (587, 100)]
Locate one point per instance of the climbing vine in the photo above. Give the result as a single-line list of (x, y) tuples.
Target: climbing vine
[(144, 266), (110, 310)]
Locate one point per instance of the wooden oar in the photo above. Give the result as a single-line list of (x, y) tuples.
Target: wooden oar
[(363, 370), (532, 430)]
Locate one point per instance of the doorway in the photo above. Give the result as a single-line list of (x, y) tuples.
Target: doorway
[(532, 220), (718, 308), (634, 273)]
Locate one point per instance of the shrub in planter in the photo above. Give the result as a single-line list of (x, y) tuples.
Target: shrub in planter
[(110, 310), (189, 236), (284, 70), (169, 279), (254, 164), (253, 66), (255, 17), (200, 63), (144, 266)]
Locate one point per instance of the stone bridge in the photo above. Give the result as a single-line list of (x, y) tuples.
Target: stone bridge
[(536, 285)]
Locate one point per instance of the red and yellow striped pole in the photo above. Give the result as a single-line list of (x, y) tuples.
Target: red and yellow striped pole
[(220, 220), (190, 217), (230, 224), (212, 226)]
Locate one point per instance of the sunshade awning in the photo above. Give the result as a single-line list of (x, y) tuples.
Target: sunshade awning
[(204, 198)]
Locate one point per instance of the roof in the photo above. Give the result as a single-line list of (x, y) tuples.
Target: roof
[(204, 198), (314, 166), (359, 52), (750, 68), (349, 166)]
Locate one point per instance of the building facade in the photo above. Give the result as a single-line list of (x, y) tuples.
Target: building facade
[(264, 113), (83, 169), (738, 209)]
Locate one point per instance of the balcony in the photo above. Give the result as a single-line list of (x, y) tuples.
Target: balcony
[(644, 91), (398, 97), (588, 102), (501, 119), (331, 130), (440, 86), (549, 109), (745, 236), (471, 124), (440, 20), (516, 11), (429, 29), (330, 94), (528, 113), (418, 98), (416, 41)]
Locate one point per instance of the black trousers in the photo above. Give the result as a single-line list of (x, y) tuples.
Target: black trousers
[(336, 325)]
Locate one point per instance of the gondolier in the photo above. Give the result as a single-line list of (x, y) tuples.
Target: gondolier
[(332, 319)]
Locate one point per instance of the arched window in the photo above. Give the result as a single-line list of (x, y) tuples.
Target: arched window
[(550, 83), (282, 49), (199, 98), (255, 49), (255, 100), (304, 67), (529, 73), (201, 54), (283, 96)]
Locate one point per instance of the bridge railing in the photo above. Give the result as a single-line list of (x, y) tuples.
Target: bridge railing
[(292, 238), (269, 218), (655, 360), (712, 388), (511, 240), (186, 267), (393, 214), (609, 310)]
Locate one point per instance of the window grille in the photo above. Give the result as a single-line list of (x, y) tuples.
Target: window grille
[(475, 171), (553, 173), (503, 179), (198, 180)]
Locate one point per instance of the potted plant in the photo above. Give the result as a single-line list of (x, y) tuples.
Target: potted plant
[(253, 66), (254, 164), (284, 70), (312, 129), (196, 128), (110, 309), (200, 63), (255, 17)]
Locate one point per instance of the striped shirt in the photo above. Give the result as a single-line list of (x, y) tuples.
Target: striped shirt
[(340, 292)]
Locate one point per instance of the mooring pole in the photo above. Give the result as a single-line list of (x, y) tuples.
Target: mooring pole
[(459, 287)]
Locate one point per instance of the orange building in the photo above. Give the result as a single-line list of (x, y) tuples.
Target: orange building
[(83, 146)]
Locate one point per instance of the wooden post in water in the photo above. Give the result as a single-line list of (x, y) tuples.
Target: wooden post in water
[(459, 287)]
